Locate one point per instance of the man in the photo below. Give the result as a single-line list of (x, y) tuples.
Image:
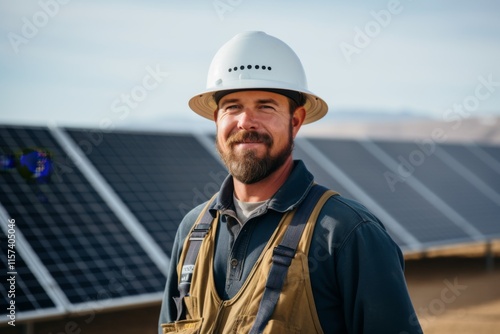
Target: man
[(238, 263)]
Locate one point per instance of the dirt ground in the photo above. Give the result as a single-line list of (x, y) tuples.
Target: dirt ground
[(455, 294), (451, 294)]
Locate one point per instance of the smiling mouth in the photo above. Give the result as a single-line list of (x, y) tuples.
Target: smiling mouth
[(249, 138), (250, 142)]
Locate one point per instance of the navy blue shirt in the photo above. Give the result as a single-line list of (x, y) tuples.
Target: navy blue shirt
[(356, 269)]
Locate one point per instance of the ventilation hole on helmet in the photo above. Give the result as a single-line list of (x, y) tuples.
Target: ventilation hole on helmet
[(249, 66), (263, 67), (257, 67), (230, 69), (235, 68), (242, 67), (269, 68)]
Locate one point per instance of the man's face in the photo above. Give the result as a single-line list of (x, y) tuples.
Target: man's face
[(255, 133)]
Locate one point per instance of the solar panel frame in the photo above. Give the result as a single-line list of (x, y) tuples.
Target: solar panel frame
[(320, 175), (493, 151), (35, 297), (30, 297), (368, 171), (105, 248), (405, 240), (147, 198), (469, 156), (442, 178), (159, 176)]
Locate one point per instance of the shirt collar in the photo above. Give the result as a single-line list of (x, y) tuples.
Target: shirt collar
[(289, 196)]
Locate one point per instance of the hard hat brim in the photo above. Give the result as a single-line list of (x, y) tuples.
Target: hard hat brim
[(204, 105)]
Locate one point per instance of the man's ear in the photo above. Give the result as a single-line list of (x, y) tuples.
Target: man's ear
[(298, 117)]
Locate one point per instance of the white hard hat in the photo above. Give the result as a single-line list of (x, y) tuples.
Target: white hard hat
[(255, 60)]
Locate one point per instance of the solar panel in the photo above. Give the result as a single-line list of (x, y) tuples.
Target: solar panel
[(327, 178), (493, 151), (409, 208), (28, 294), (475, 159), (453, 180), (321, 176), (79, 240), (324, 177), (160, 177), (87, 248)]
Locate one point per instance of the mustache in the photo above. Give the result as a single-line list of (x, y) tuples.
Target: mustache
[(249, 136)]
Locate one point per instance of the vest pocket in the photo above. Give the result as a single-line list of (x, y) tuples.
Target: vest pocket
[(191, 326), (244, 323)]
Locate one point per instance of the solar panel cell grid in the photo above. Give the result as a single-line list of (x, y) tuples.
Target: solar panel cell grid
[(321, 175), (470, 157), (324, 177), (410, 209), (454, 188), (160, 177), (80, 241), (29, 293), (492, 151)]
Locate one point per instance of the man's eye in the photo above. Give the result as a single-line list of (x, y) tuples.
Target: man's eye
[(232, 107), (266, 107)]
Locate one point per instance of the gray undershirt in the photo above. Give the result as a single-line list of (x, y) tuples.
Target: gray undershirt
[(244, 210)]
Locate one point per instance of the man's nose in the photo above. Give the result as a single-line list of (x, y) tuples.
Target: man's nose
[(248, 119)]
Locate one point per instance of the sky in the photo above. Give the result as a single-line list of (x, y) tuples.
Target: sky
[(73, 62)]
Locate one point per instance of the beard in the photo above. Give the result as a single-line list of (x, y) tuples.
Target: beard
[(248, 167)]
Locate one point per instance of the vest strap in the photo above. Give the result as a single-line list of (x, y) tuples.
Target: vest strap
[(282, 258), (196, 237), (283, 255)]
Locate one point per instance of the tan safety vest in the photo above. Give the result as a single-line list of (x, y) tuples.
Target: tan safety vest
[(295, 310)]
